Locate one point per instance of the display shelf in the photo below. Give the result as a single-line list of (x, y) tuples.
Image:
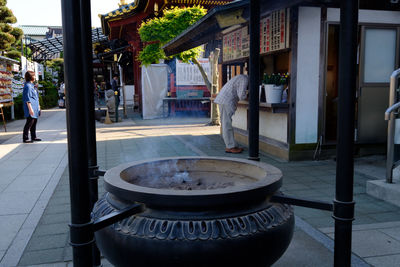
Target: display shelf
[(274, 107), (6, 100)]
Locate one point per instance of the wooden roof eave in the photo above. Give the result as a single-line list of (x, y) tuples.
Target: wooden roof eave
[(208, 28), (106, 19)]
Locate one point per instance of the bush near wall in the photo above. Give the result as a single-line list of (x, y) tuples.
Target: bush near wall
[(49, 99), (18, 109), (50, 95)]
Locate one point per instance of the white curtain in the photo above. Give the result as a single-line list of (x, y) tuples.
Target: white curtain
[(154, 89)]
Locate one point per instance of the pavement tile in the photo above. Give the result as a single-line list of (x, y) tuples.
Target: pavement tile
[(59, 264), (9, 227), (67, 254), (317, 254), (26, 183), (17, 202), (364, 219), (368, 207), (385, 216), (51, 229), (371, 226), (294, 186), (385, 206), (392, 232), (330, 192), (48, 242), (384, 261), (60, 200), (6, 177), (318, 222), (64, 217), (383, 244), (305, 213), (23, 155), (56, 209), (304, 193), (41, 168), (359, 190), (41, 256), (2, 187)]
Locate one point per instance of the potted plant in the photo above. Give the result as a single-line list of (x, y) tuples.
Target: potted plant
[(273, 85)]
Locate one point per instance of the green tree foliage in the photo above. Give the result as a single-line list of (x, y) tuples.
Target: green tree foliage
[(57, 64), (50, 97), (158, 31), (9, 36)]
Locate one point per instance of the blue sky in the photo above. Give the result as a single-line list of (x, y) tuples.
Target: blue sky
[(48, 12)]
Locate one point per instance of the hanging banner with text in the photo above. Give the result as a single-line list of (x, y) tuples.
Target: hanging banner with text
[(274, 36), (189, 74)]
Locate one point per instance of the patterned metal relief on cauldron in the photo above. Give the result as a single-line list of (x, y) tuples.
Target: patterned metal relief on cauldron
[(161, 229)]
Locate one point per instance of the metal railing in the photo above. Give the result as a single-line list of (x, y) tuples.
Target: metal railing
[(390, 116)]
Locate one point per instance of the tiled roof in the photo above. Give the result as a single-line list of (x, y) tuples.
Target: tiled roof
[(47, 48), (34, 30), (200, 2), (126, 9)]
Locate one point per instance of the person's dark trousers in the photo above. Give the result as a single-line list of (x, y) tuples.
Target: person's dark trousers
[(30, 125)]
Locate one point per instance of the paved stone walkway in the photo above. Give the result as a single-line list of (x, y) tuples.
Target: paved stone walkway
[(375, 239), (28, 175)]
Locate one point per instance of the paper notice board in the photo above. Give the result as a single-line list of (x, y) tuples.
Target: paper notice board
[(189, 74), (273, 36)]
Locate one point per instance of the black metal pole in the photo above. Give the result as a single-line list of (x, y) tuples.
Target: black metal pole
[(22, 47), (26, 49), (80, 234), (254, 79), (88, 91), (343, 204)]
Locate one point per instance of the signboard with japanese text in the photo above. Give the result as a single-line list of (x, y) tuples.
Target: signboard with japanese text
[(236, 44), (26, 65), (189, 74), (274, 36), (36, 67)]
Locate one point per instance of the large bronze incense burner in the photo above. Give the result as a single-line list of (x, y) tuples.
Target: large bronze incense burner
[(198, 211)]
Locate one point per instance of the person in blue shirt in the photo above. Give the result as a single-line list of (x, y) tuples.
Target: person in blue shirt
[(30, 102)]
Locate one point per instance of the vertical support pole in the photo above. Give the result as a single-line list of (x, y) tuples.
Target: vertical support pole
[(391, 127), (343, 212), (81, 238), (116, 105), (111, 75), (122, 83), (254, 79), (213, 58), (26, 49), (22, 46), (88, 92)]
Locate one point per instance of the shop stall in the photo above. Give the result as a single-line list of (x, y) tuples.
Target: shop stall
[(299, 42), (275, 55), (6, 85)]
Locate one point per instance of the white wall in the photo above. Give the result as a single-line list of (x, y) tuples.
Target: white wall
[(272, 125), (307, 86), (367, 16), (239, 119)]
